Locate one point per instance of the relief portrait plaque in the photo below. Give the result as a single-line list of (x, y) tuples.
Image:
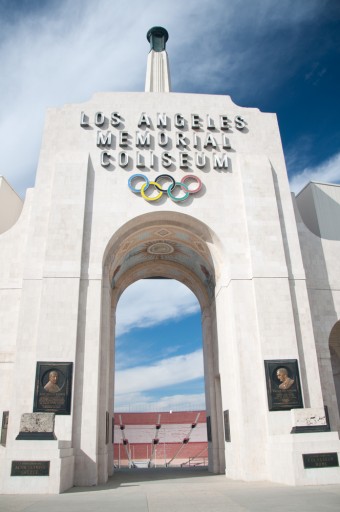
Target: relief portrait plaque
[(283, 385), (53, 387)]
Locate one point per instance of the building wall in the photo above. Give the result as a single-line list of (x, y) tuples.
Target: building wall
[(83, 237), (320, 249)]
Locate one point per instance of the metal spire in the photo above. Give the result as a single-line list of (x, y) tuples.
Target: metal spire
[(157, 70)]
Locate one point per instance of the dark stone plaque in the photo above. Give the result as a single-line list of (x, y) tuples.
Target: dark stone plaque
[(107, 425), (209, 429), (30, 468), (226, 426), (4, 427), (283, 385), (320, 460), (53, 387)]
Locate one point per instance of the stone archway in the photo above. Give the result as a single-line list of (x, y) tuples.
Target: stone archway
[(175, 246)]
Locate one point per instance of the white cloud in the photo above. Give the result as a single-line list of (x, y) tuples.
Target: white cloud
[(140, 402), (68, 50), (152, 301), (327, 172), (174, 370)]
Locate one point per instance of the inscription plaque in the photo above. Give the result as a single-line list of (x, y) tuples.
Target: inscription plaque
[(53, 386), (30, 468), (283, 384), (320, 460)]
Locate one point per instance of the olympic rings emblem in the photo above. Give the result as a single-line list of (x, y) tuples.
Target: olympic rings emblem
[(169, 190)]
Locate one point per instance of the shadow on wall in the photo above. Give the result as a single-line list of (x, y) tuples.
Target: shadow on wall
[(321, 212), (319, 207)]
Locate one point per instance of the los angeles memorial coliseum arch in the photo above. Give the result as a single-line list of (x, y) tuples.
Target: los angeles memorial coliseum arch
[(190, 187), (175, 246)]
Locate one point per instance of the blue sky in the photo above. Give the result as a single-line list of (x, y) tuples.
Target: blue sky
[(281, 56), (159, 359)]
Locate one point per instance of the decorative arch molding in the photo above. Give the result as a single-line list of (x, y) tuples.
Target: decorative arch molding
[(164, 244)]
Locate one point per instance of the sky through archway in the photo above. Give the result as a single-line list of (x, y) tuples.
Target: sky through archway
[(159, 358)]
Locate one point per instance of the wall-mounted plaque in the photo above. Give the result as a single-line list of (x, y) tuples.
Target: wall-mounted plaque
[(283, 384), (209, 429), (320, 460), (4, 427), (30, 468), (53, 387), (107, 425), (226, 426)]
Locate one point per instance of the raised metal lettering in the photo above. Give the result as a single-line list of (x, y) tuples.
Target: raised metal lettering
[(220, 163), (104, 139), (183, 160), (225, 141), (179, 121), (224, 123), (180, 140), (195, 121), (166, 159), (104, 158), (123, 139), (123, 159), (210, 141), (143, 138), (163, 139), (115, 119), (210, 123), (144, 120), (162, 121), (239, 122), (99, 118), (140, 160), (84, 120), (200, 160)]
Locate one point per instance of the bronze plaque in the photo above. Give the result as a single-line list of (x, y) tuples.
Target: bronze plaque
[(283, 385), (53, 387), (320, 460), (30, 468)]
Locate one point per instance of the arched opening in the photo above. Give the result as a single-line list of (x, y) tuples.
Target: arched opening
[(172, 246), (334, 348), (159, 403)]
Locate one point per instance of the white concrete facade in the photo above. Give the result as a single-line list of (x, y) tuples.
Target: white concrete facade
[(83, 236)]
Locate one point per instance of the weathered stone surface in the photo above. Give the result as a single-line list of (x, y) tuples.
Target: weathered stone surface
[(309, 417), (37, 422)]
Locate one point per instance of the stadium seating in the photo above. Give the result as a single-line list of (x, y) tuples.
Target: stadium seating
[(160, 439)]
